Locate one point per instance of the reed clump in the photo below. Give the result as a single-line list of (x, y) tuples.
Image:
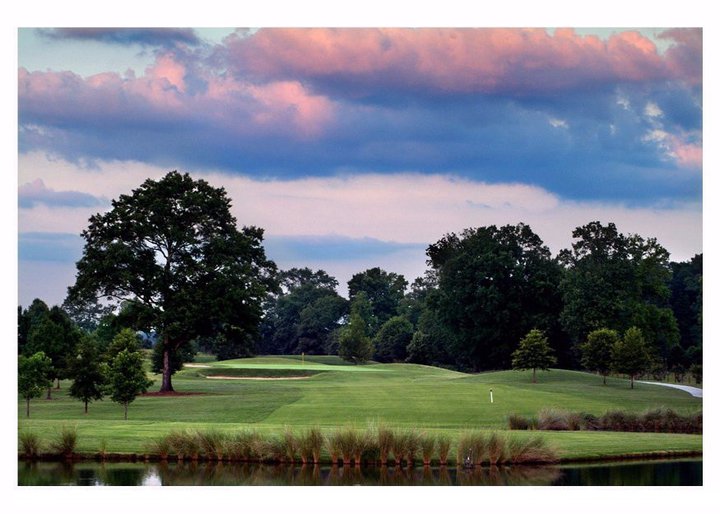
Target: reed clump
[(65, 442), (30, 444)]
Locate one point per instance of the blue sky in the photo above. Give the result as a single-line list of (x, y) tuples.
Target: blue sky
[(359, 147)]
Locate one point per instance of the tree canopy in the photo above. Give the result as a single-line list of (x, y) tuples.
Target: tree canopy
[(494, 285), (533, 352), (173, 251)]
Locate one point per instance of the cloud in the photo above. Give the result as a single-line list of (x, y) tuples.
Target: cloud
[(36, 193), (159, 37), (300, 248), (453, 61), (483, 104)]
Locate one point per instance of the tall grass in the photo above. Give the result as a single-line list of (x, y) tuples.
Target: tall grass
[(496, 449), (310, 445), (65, 442), (427, 447), (443, 448), (211, 443), (531, 450), (386, 442), (471, 448), (30, 444)]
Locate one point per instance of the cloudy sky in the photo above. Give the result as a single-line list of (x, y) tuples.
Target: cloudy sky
[(356, 148)]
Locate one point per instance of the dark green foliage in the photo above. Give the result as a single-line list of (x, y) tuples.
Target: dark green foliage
[(431, 342), (127, 378), (617, 281), (384, 291), (88, 372), (392, 340), (494, 285), (354, 344), (126, 339), (630, 354), (173, 251), (302, 318), (34, 374), (534, 353), (28, 319), (686, 299), (597, 351), (56, 336)]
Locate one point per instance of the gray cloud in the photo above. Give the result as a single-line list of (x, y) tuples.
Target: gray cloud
[(36, 193), (159, 37)]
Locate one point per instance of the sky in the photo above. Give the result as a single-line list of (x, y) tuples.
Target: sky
[(359, 147)]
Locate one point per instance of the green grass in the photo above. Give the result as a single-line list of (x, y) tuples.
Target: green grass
[(335, 394)]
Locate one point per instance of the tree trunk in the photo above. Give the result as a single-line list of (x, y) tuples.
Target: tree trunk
[(49, 395), (632, 382), (126, 406), (534, 380), (604, 379), (166, 374), (57, 386), (27, 408), (86, 403)]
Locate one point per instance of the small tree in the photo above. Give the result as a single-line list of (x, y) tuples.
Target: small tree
[(597, 351), (125, 339), (127, 378), (88, 372), (355, 345), (630, 354), (34, 376), (533, 353)]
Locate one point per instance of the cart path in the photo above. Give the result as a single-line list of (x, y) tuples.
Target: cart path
[(695, 391)]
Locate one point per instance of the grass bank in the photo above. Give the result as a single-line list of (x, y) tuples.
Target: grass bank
[(333, 394)]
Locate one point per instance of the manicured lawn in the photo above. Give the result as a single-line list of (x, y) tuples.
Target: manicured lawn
[(334, 394)]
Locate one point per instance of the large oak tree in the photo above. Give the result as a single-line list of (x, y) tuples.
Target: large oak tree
[(173, 250)]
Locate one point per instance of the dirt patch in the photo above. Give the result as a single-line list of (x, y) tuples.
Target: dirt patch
[(172, 393), (255, 378)]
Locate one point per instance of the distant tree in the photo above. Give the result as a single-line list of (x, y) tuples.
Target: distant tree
[(34, 376), (686, 299), (392, 340), (597, 351), (630, 354), (28, 319), (354, 345), (696, 372), (56, 336), (678, 361), (431, 341), (303, 315), (127, 378), (534, 353), (384, 291), (88, 372), (173, 250)]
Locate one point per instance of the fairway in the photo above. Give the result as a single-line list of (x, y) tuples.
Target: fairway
[(335, 394)]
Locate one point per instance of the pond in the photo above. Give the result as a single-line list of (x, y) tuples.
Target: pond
[(685, 472)]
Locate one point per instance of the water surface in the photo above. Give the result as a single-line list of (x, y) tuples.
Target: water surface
[(685, 472)]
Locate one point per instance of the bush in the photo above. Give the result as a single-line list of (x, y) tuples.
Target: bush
[(619, 421), (553, 419), (518, 422), (30, 444), (66, 442)]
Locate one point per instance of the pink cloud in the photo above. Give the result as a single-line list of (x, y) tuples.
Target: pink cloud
[(161, 94), (457, 60)]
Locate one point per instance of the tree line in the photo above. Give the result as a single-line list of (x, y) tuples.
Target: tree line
[(169, 262)]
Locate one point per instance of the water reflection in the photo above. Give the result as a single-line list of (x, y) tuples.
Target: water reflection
[(688, 472)]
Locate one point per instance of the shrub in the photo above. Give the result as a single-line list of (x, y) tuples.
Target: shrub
[(518, 422), (619, 421), (29, 444), (66, 441), (531, 450), (553, 419), (443, 447), (590, 422)]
